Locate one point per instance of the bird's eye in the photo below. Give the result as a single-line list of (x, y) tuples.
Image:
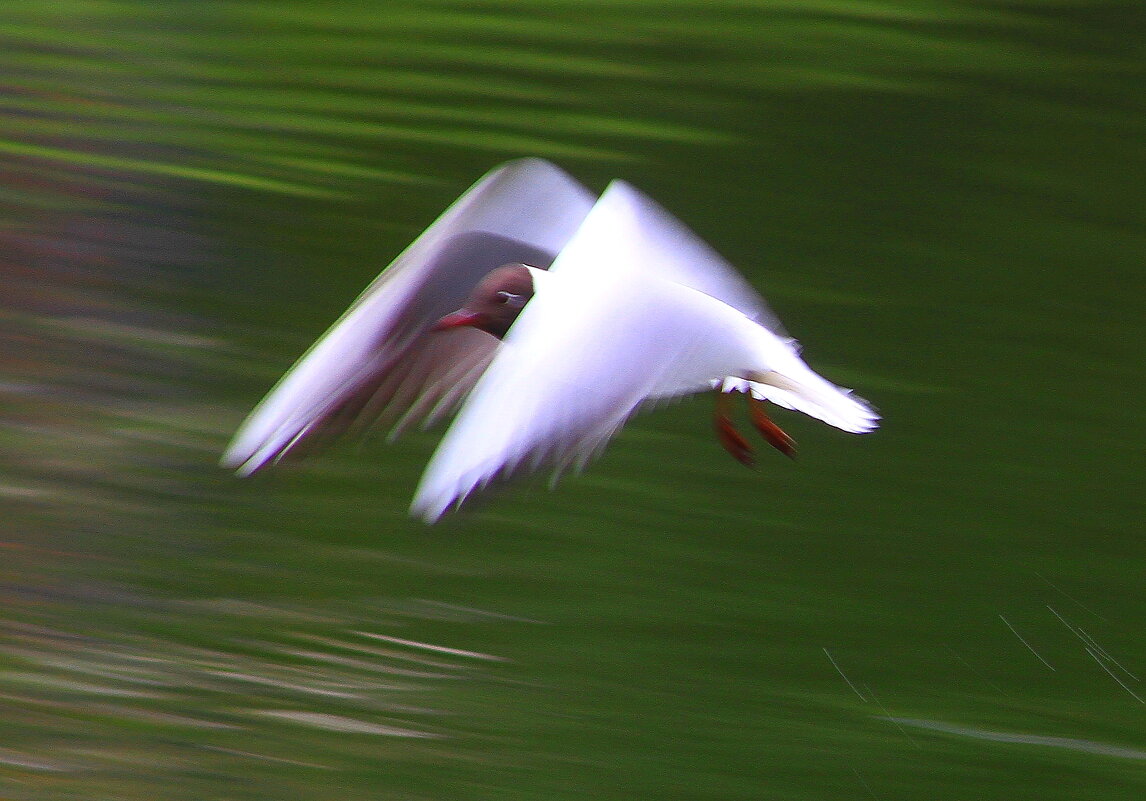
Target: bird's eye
[(510, 299)]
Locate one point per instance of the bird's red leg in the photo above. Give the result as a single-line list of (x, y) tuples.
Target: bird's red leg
[(775, 435), (729, 437)]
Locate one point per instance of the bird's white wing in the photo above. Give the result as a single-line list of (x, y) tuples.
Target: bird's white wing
[(600, 335), (667, 248), (373, 357)]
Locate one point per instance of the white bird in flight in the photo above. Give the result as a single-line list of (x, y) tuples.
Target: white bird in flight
[(546, 316)]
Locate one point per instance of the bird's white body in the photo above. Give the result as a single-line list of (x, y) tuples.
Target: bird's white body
[(633, 308)]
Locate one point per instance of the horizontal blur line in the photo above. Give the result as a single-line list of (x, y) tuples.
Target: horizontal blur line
[(1070, 743)]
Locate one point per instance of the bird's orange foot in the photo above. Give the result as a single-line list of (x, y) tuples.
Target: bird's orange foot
[(776, 436), (732, 440)]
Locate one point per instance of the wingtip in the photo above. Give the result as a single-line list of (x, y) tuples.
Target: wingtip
[(246, 461), (437, 496), (242, 466), (429, 513), (230, 460), (867, 418)]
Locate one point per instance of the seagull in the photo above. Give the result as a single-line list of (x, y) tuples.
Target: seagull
[(545, 317)]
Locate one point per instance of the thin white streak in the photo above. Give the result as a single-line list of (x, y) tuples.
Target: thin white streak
[(1090, 642), (844, 676), (1024, 642), (1105, 654), (441, 649), (1074, 744), (888, 716), (1110, 673), (1069, 598), (267, 757), (340, 723), (387, 653), (976, 672)]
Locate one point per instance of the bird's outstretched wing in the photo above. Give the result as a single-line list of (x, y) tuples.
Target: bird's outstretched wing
[(380, 358), (670, 250), (609, 326)]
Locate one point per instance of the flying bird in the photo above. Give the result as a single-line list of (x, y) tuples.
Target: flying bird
[(545, 316)]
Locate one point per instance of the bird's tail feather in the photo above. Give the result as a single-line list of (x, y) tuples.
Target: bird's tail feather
[(809, 393)]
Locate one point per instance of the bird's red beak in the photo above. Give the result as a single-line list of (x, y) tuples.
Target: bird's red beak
[(457, 320)]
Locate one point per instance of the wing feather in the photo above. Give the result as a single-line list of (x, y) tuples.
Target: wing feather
[(365, 364), (673, 252)]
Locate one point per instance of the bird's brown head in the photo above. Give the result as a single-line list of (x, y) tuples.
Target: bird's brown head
[(495, 302)]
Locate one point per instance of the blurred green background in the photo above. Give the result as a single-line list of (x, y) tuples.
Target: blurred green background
[(943, 200)]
